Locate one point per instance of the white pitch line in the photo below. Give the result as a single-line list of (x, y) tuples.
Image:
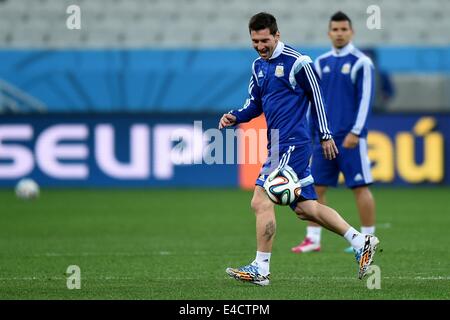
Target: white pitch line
[(386, 225), (117, 254), (400, 278), (419, 278), (61, 278)]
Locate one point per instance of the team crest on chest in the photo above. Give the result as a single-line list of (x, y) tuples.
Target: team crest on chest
[(279, 70), (346, 68)]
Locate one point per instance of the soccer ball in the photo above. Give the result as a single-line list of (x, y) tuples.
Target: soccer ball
[(282, 186), (27, 189)]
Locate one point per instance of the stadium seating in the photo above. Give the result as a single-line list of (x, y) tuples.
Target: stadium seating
[(206, 23)]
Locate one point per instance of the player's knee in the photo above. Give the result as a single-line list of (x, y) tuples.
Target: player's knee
[(361, 189), (260, 205), (363, 192), (306, 211), (301, 214)]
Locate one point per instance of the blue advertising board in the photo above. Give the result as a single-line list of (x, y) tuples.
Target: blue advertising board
[(137, 150), (108, 150), (410, 149)]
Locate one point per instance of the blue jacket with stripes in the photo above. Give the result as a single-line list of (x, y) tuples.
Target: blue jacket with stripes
[(283, 87), (347, 77)]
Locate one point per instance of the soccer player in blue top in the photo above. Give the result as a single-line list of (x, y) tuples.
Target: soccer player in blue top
[(347, 77), (282, 85)]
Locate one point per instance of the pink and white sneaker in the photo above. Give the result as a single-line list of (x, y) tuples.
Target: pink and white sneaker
[(306, 246)]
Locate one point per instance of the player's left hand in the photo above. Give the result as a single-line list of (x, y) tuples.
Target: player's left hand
[(330, 151), (351, 141)]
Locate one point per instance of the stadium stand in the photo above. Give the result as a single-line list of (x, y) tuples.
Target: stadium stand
[(416, 23)]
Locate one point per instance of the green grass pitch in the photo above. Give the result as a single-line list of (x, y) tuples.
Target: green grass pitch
[(176, 244)]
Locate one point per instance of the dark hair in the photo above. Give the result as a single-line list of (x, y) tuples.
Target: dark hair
[(340, 16), (262, 21)]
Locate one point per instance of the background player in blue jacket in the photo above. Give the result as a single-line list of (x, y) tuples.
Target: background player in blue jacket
[(347, 77), (282, 85)]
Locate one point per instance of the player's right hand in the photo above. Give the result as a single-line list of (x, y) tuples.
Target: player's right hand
[(330, 151), (227, 120)]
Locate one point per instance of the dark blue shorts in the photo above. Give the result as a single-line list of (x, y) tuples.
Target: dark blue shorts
[(297, 157), (353, 163)]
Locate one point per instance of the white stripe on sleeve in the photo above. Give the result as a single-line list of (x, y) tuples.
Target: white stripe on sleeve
[(317, 67), (320, 109), (247, 102), (364, 104)]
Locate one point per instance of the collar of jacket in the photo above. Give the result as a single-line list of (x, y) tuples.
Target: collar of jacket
[(343, 51), (276, 53)]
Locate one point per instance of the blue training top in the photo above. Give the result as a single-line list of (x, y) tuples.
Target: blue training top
[(347, 77), (283, 87)]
